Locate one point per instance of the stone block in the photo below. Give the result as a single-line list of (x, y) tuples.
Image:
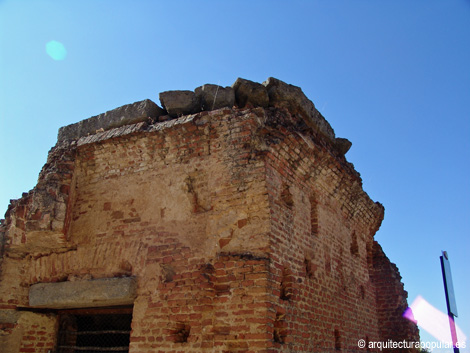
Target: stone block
[(290, 97), (342, 145), (8, 316), (212, 97), (125, 115), (84, 293), (179, 103), (249, 93)]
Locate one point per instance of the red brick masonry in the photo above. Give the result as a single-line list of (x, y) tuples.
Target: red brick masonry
[(246, 231)]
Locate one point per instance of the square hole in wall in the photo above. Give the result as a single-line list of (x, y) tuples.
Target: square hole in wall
[(94, 330)]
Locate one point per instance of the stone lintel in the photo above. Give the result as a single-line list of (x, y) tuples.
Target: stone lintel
[(84, 293)]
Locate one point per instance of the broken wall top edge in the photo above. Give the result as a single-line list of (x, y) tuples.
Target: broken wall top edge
[(242, 94)]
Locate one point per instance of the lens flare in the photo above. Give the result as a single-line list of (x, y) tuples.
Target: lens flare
[(432, 320), (56, 50)]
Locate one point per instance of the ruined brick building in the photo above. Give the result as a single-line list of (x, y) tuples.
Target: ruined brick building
[(229, 221)]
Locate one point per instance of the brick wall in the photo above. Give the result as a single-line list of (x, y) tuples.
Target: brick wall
[(245, 234), (27, 332), (391, 300), (321, 224)]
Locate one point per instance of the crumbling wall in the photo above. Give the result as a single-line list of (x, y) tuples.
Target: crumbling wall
[(322, 221), (181, 207), (391, 300), (244, 228)]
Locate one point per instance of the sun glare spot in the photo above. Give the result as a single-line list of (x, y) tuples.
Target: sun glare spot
[(56, 50), (432, 320)]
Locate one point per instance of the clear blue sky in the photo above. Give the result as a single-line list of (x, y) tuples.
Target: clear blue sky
[(392, 76)]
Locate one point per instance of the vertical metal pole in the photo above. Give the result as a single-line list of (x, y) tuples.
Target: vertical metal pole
[(453, 331)]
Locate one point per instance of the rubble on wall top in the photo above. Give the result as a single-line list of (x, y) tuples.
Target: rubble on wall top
[(125, 115), (283, 95), (242, 94)]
